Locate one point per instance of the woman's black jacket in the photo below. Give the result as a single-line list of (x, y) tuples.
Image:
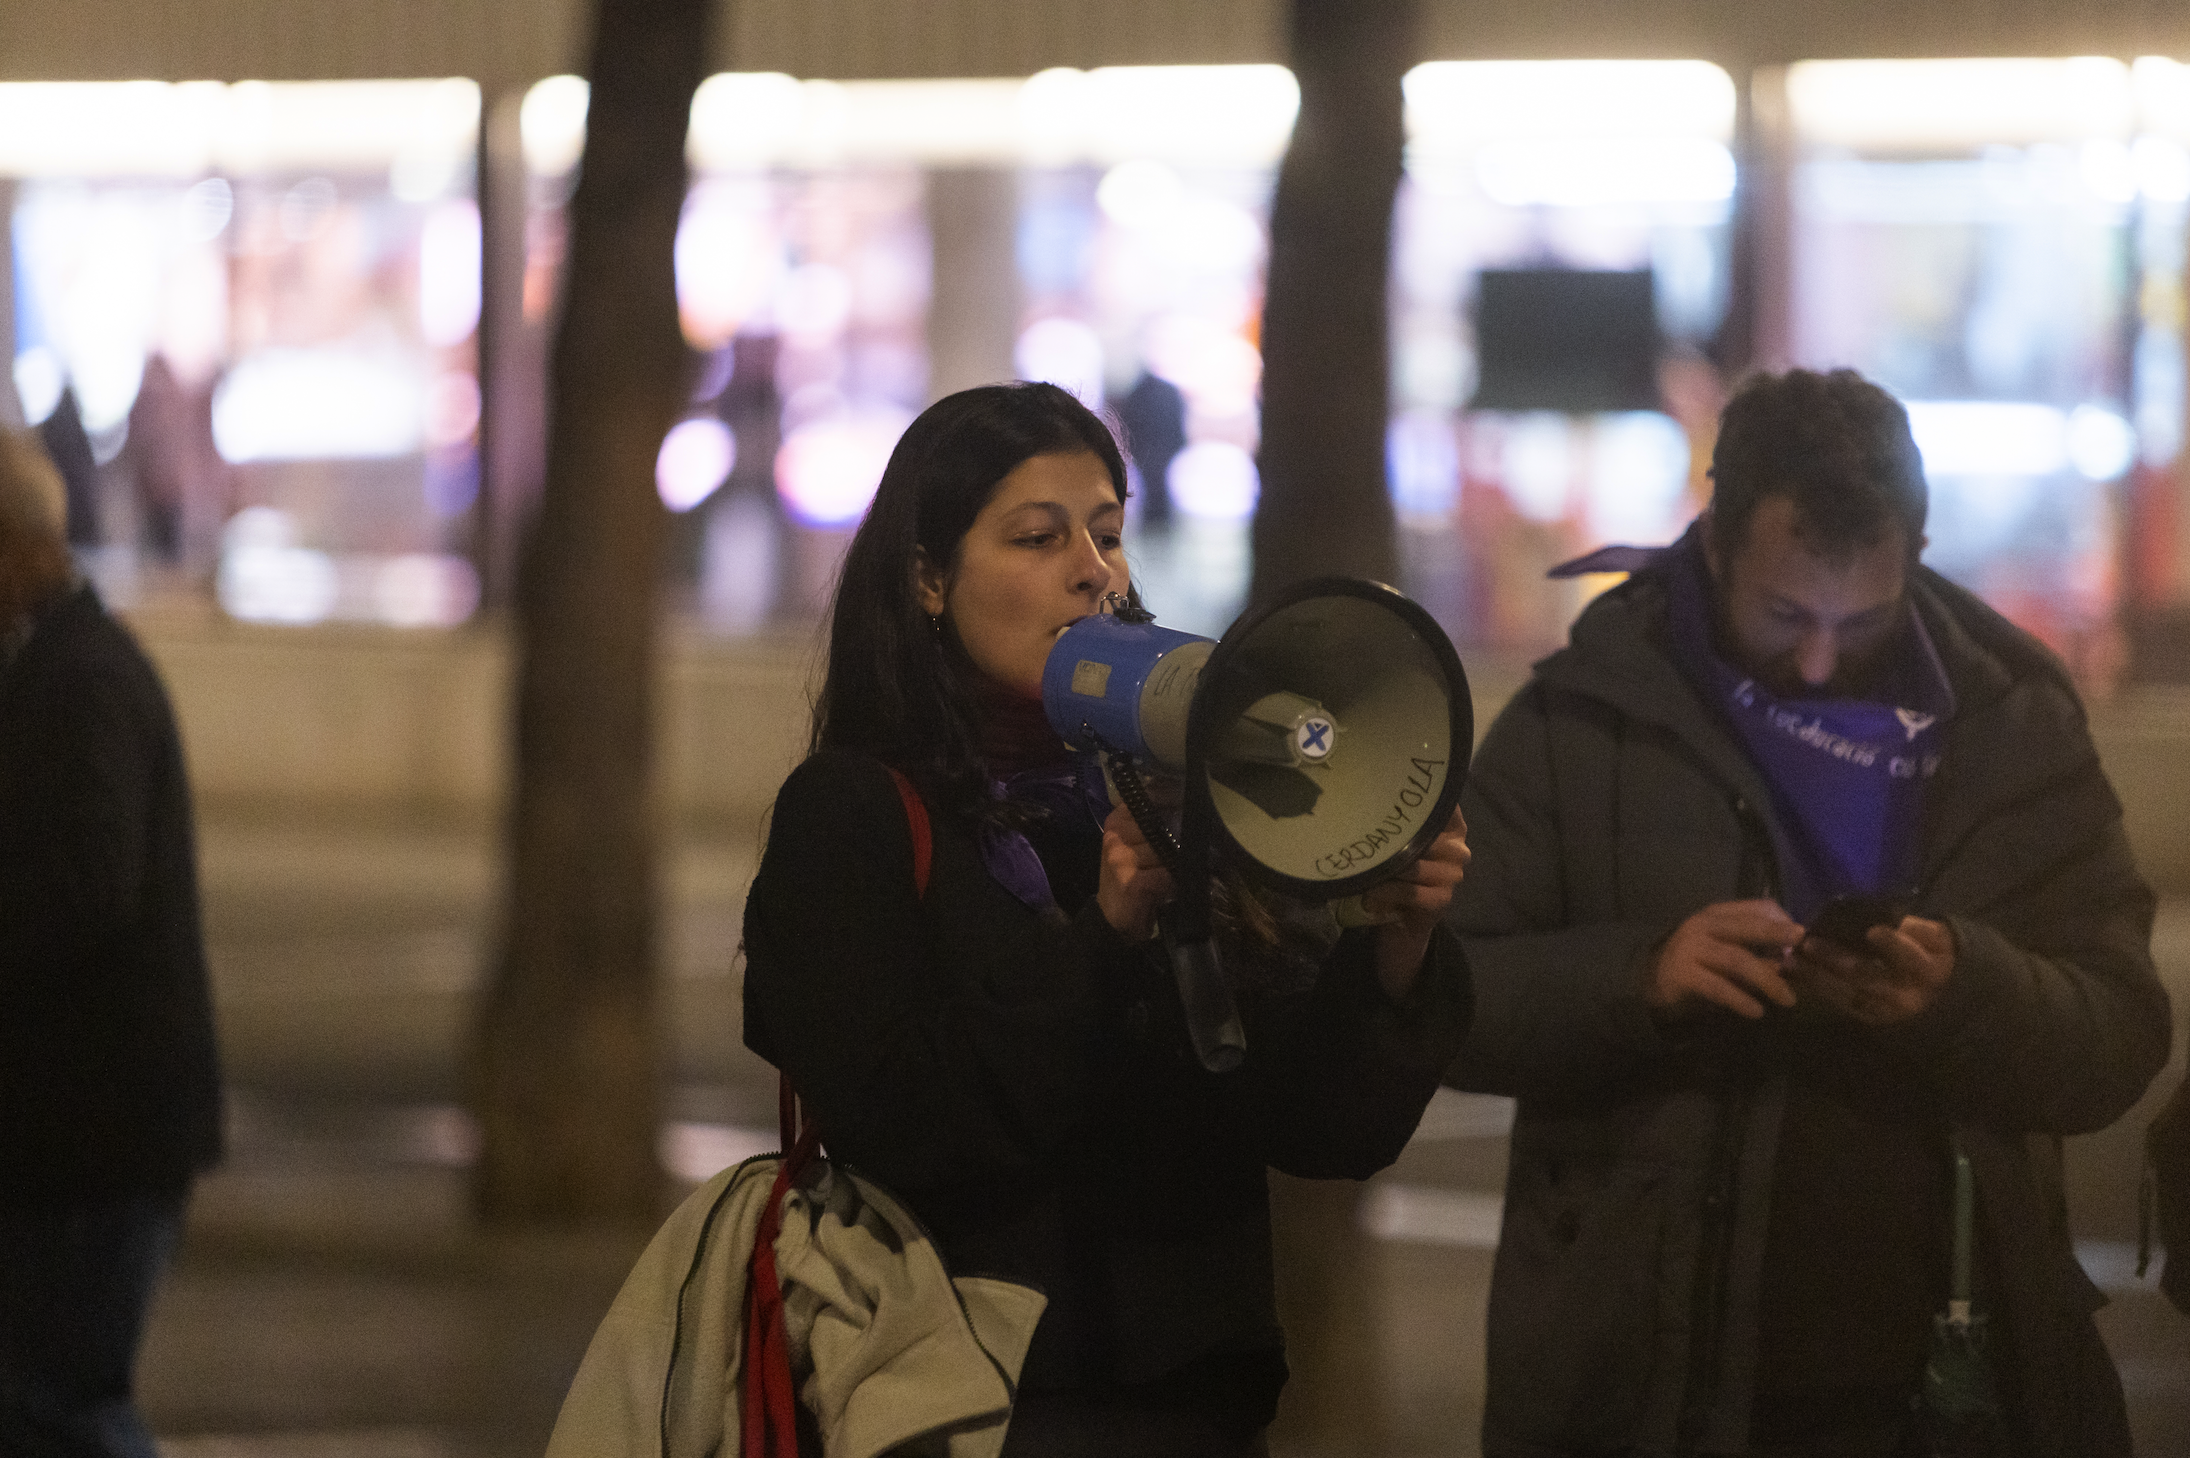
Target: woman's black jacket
[(1026, 1086)]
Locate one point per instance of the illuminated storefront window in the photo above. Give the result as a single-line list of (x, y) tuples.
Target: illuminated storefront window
[(1551, 182), (1126, 207), (1141, 259), (2155, 523), (803, 269), (1142, 242), (252, 311), (2000, 244), (245, 319), (1133, 204)]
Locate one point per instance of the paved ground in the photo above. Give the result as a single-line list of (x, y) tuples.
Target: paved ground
[(333, 1301)]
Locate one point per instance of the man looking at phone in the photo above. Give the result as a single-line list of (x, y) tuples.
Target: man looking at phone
[(1797, 877)]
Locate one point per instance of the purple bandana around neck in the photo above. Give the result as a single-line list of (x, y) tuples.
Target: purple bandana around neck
[(1072, 792), (1849, 773), (1612, 559)]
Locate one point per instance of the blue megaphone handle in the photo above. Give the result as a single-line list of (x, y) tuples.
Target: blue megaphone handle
[(1091, 693), (1212, 1015)]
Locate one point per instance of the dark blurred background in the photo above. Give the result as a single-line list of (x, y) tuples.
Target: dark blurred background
[(283, 314)]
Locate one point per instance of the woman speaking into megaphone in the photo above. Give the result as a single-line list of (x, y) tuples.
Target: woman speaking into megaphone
[(950, 957)]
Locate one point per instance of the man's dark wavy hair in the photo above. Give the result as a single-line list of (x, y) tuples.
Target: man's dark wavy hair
[(899, 687), (1836, 443)]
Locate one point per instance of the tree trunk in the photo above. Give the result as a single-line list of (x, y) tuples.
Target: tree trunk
[(1325, 338), (567, 1066), (1325, 508)]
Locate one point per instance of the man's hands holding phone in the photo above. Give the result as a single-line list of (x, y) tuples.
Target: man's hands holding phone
[(1896, 974), (1736, 954), (1739, 955)]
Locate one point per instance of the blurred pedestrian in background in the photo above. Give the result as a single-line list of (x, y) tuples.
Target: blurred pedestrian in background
[(1765, 1130), (1153, 413), (184, 490), (109, 1089), (68, 448)]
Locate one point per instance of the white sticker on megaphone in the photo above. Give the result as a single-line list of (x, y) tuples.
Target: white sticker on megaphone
[(1314, 737)]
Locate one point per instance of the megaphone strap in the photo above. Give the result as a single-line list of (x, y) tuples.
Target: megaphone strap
[(768, 1427), (1127, 777)]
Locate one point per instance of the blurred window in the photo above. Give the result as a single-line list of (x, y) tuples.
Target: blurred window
[(1142, 243), (1133, 206), (258, 302), (1519, 170), (2000, 243), (802, 282)]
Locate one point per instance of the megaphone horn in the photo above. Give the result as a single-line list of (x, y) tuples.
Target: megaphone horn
[(1323, 742), (1372, 706)]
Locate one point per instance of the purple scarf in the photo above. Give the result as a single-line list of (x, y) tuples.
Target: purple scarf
[(1072, 791), (1847, 775)]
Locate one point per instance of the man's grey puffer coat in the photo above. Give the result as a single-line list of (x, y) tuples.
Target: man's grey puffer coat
[(1607, 804)]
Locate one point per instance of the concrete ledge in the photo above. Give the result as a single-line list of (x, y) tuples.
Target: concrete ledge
[(382, 724), (376, 724)]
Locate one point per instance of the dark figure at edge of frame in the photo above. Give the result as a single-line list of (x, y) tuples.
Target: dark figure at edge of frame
[(2167, 1153), (1730, 1207), (109, 1086), (1009, 1055)]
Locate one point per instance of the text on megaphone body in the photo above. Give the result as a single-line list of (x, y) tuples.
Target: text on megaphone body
[(1397, 825)]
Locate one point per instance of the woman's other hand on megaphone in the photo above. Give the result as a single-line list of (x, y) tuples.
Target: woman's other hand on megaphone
[(1418, 899), (1134, 884)]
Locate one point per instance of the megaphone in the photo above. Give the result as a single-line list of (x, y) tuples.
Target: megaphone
[(1322, 743)]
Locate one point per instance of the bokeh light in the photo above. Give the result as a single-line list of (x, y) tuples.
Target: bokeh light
[(1064, 352), (448, 273), (695, 458), (319, 404), (828, 469), (1214, 480)]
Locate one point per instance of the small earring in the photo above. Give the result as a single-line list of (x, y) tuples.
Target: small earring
[(935, 624)]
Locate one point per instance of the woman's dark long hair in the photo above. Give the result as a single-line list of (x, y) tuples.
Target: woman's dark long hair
[(899, 687)]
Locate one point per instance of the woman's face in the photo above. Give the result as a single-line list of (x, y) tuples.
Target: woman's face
[(1038, 558)]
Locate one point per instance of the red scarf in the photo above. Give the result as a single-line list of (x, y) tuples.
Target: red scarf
[(1015, 734)]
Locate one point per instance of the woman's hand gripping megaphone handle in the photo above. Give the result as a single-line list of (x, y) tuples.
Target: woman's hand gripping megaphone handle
[(1144, 869), (1140, 855)]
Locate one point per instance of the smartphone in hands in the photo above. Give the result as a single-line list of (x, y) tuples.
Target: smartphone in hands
[(1845, 920)]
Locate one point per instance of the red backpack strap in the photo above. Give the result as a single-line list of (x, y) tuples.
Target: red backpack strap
[(770, 1411), (788, 1112), (923, 837), (923, 851), (770, 1416)]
